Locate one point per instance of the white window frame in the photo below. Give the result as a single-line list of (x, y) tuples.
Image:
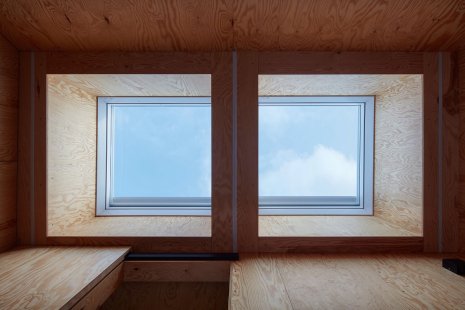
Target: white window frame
[(327, 205), (106, 205)]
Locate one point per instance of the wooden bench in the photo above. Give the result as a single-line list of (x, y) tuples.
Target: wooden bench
[(344, 282), (59, 277)]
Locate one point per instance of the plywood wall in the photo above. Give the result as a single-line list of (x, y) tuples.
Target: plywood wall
[(398, 171), (71, 154), (9, 69)]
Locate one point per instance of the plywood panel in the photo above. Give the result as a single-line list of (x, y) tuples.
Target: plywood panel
[(218, 25), (256, 283), (398, 175), (102, 291), (176, 271), (169, 295), (9, 70), (8, 132), (72, 154), (375, 282), (25, 150), (52, 278), (324, 226), (7, 205)]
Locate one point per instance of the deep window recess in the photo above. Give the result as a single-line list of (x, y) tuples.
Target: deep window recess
[(316, 155), (154, 156)]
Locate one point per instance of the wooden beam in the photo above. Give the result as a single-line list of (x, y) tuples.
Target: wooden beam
[(222, 227), (128, 63), (182, 271), (430, 153), (340, 63), (25, 149), (340, 244), (247, 151), (450, 149)]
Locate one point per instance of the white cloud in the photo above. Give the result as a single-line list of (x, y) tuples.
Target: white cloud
[(325, 172)]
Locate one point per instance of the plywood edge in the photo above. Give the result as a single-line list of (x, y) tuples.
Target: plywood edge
[(95, 298), (181, 271), (92, 284), (140, 244)]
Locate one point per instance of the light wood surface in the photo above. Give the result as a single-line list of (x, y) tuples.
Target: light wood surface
[(169, 296), (176, 271), (71, 127), (52, 278), (9, 69), (344, 281), (331, 226), (398, 175), (102, 291), (244, 24)]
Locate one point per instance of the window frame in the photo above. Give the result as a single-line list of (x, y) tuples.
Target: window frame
[(106, 205), (330, 205)]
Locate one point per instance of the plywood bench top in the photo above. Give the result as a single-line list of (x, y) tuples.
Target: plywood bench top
[(344, 282), (53, 277)]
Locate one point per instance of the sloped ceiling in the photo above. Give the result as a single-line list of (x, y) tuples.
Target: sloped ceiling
[(213, 25)]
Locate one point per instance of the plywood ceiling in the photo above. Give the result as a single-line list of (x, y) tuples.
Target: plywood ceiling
[(213, 25)]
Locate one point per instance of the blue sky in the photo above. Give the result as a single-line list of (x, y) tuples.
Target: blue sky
[(165, 151), (308, 150), (162, 151)]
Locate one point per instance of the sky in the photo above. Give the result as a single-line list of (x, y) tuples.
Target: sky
[(165, 151), (308, 150), (162, 151)]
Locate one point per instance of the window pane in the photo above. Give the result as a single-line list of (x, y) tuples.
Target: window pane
[(308, 150), (161, 150)]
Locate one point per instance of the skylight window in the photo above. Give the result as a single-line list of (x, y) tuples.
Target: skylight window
[(154, 156), (316, 155)]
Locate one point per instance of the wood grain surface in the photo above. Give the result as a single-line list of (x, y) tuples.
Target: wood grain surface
[(9, 73), (398, 165), (71, 160), (52, 278), (176, 271), (102, 291), (169, 296), (168, 25), (345, 281)]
